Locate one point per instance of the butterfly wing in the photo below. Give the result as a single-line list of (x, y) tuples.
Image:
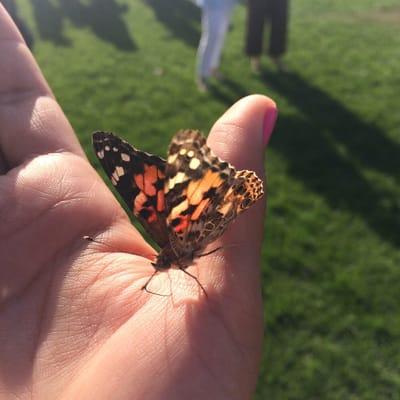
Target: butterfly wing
[(138, 178), (203, 193), (246, 189)]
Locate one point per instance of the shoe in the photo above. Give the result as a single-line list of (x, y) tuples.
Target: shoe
[(217, 75), (279, 64), (202, 85), (255, 65)]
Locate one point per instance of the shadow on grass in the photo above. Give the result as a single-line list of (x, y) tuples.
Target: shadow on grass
[(311, 146), (103, 17), (180, 17)]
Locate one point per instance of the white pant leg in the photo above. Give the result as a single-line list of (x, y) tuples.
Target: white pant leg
[(214, 22), (204, 50), (223, 18)]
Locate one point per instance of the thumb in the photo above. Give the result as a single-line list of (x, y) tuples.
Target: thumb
[(240, 137)]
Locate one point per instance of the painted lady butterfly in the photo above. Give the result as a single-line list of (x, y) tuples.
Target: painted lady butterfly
[(184, 203)]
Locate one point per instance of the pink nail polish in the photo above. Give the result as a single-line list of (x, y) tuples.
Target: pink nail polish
[(269, 123)]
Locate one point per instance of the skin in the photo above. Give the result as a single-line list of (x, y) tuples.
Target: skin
[(73, 320)]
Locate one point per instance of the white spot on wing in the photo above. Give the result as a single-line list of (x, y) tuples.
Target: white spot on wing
[(107, 147), (125, 157), (194, 163), (100, 154), (178, 178), (115, 176), (120, 171), (182, 152), (190, 153), (171, 159)]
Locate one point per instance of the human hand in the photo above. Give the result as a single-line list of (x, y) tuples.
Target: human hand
[(74, 322)]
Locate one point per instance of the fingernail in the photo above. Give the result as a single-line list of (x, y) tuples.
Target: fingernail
[(269, 123)]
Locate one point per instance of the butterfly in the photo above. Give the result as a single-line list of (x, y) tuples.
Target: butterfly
[(185, 202)]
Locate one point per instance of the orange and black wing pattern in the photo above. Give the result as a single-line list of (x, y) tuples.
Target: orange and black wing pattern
[(139, 178), (203, 193)]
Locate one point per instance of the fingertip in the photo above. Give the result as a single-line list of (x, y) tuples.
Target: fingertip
[(242, 132), (256, 106), (271, 114)]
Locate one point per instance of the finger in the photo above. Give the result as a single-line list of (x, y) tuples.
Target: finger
[(31, 121), (240, 136), (3, 165)]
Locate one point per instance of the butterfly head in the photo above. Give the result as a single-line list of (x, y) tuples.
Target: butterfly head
[(168, 258)]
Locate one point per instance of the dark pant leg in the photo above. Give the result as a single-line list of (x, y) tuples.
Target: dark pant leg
[(256, 11), (278, 14)]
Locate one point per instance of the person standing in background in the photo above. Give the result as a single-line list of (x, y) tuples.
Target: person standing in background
[(214, 25), (259, 13)]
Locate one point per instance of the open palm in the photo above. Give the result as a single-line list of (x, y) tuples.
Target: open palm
[(74, 322)]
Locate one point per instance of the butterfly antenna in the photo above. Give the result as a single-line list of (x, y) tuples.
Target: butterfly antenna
[(209, 252), (218, 248), (92, 240), (196, 279)]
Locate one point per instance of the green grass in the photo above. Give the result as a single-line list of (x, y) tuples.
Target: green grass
[(331, 259)]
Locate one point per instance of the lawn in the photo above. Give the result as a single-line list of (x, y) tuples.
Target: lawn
[(331, 259)]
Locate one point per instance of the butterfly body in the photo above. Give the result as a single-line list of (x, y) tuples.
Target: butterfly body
[(184, 202), (167, 258)]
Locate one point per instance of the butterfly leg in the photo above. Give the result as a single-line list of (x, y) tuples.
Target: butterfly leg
[(196, 279), (144, 287)]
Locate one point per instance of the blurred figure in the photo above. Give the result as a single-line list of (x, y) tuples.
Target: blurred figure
[(214, 25), (11, 8), (260, 12)]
